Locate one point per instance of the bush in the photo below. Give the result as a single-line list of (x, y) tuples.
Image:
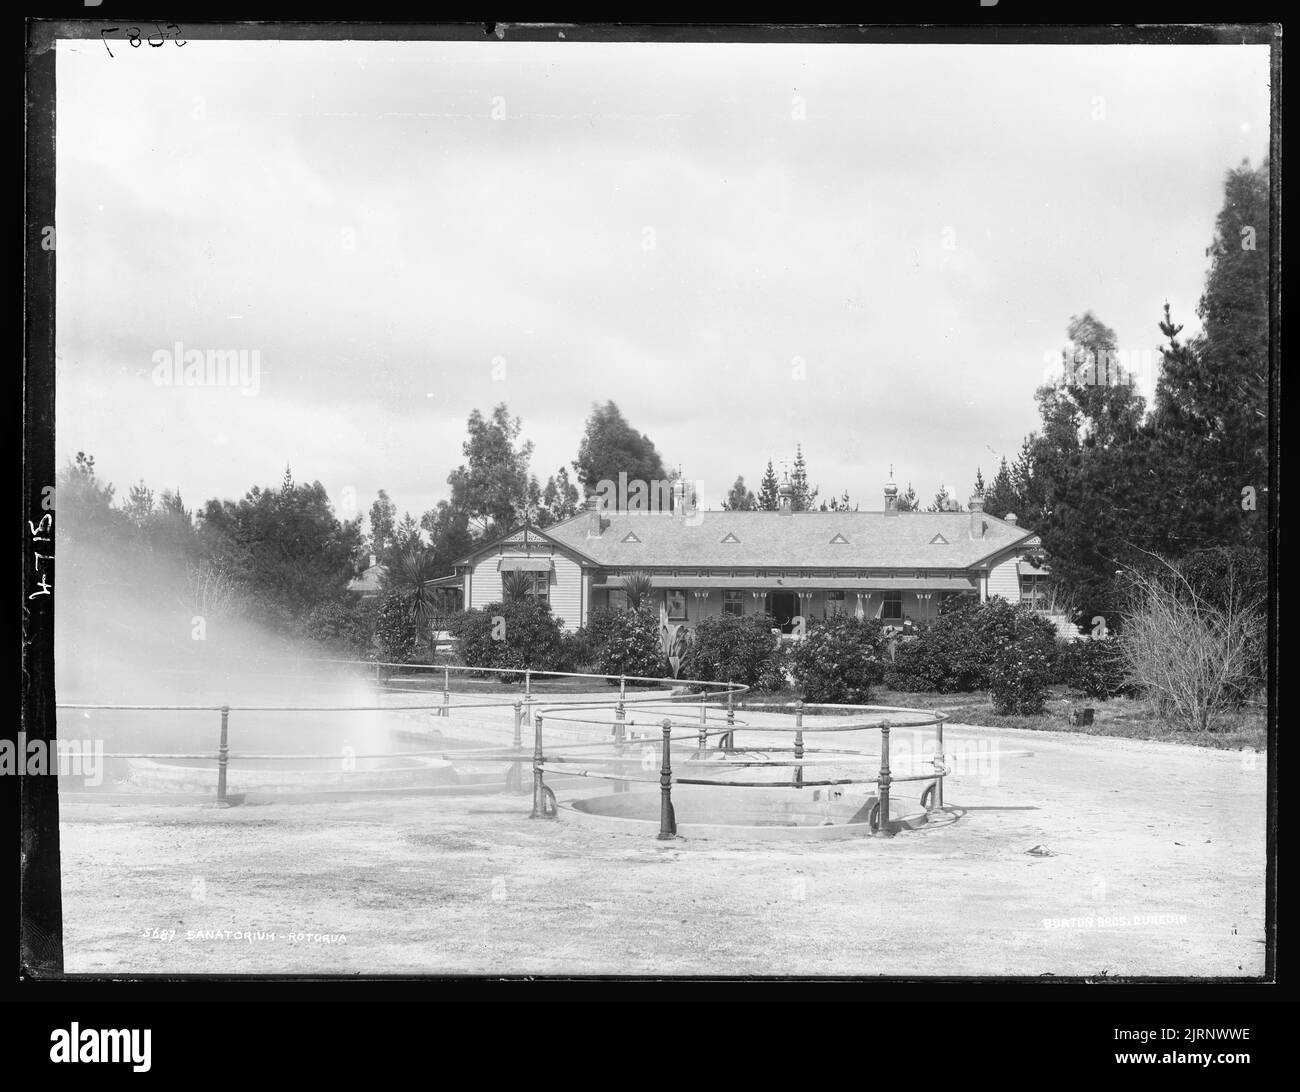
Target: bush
[(957, 652), (776, 670), (346, 627), (839, 660), (1197, 655), (1094, 668), (577, 652), (520, 634), (396, 631), (730, 648), (630, 644), (1022, 667)]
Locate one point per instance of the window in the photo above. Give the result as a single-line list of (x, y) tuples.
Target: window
[(834, 604), (892, 610), (537, 585), (733, 603), (675, 603), (617, 599), (1033, 591)]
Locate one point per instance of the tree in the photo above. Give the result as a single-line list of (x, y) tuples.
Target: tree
[(407, 579), (1076, 472), (804, 495), (979, 488), (611, 446), (943, 502), (286, 545), (84, 504), (492, 485), (1209, 423), (740, 499), (559, 500), (450, 537), (406, 537), (768, 491), (1001, 497), (907, 501), (383, 516), (139, 504)]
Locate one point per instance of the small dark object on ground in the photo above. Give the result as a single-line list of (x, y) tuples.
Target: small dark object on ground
[(1080, 717)]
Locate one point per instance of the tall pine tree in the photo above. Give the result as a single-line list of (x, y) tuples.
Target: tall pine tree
[(768, 490)]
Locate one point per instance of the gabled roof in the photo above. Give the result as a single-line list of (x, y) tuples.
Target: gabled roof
[(790, 540), (369, 582), (533, 533)]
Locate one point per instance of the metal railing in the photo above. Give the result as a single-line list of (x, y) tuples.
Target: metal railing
[(709, 719)]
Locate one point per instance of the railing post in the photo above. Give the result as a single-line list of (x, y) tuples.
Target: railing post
[(620, 735), (667, 821), (798, 743), (622, 688), (518, 768), (446, 693), (528, 682), (704, 728), (539, 788), (731, 722), (882, 784), (378, 685), (938, 767), (223, 757)]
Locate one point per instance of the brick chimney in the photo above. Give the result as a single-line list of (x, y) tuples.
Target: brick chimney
[(977, 523), (1010, 518), (594, 503), (891, 499)]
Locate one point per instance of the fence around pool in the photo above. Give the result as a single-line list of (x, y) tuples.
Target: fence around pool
[(694, 739)]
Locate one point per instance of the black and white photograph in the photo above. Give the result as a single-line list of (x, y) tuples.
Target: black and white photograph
[(652, 506)]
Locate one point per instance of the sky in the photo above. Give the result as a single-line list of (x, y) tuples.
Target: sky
[(871, 251)]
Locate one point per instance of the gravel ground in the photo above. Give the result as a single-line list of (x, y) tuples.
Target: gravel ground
[(1148, 859)]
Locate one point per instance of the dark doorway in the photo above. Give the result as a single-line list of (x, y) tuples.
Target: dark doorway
[(784, 608)]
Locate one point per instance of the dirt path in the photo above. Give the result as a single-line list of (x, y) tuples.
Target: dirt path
[(1155, 866)]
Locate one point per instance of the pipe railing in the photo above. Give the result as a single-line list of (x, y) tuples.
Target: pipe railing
[(529, 711), (523, 715), (887, 719)]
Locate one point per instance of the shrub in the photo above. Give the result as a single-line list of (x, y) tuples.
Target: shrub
[(522, 633), (577, 652), (839, 659), (1196, 655), (600, 623), (956, 653), (730, 648), (631, 644), (1022, 668), (396, 631), (917, 665), (345, 626), (776, 670), (1094, 668)]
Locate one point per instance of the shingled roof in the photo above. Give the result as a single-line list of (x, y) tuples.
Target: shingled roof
[(917, 540)]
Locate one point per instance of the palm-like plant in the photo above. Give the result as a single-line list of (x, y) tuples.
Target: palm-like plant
[(516, 584), (410, 581), (637, 587)]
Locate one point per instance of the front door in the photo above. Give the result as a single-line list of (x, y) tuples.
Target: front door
[(784, 608)]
